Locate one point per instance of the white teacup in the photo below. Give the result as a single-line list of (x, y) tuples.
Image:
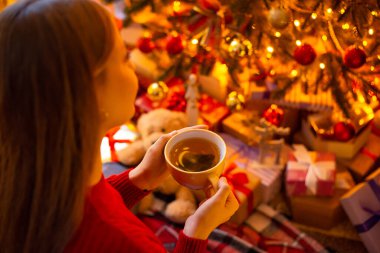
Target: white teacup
[(199, 180)]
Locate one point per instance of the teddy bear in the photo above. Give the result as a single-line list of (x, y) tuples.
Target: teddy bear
[(151, 126)]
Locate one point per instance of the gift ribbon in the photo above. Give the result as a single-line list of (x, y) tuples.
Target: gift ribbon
[(111, 142), (368, 153), (375, 158), (375, 218), (315, 171), (237, 182)]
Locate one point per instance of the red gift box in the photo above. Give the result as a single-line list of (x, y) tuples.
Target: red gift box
[(310, 173), (245, 187)]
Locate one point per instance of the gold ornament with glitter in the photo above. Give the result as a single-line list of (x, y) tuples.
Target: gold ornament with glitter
[(237, 45), (235, 101), (157, 91)]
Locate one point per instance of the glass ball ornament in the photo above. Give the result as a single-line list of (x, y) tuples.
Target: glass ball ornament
[(236, 45), (145, 45), (354, 57), (278, 18), (304, 54), (274, 114), (235, 101), (343, 131), (157, 91), (174, 45)]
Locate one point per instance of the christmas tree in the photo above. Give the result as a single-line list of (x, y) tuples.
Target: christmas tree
[(318, 55)]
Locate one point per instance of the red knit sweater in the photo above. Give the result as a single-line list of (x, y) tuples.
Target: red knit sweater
[(109, 226)]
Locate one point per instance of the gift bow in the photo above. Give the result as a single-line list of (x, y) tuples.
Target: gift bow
[(112, 141), (375, 218), (315, 170), (237, 182)]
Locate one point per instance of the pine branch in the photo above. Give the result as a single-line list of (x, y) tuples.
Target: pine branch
[(344, 14), (340, 98), (280, 93)]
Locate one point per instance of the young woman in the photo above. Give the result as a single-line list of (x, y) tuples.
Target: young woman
[(64, 81)]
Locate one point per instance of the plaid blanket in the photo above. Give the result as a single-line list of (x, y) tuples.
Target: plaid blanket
[(219, 241), (265, 231)]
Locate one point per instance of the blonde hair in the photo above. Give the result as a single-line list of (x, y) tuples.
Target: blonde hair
[(49, 50)]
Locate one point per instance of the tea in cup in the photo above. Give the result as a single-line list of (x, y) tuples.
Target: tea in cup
[(196, 158)]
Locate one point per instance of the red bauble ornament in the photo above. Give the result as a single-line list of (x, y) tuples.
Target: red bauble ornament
[(354, 57), (212, 5), (174, 45), (145, 45), (259, 76), (304, 54), (343, 131), (274, 115)]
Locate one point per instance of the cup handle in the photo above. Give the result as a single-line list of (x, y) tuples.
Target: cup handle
[(213, 186)]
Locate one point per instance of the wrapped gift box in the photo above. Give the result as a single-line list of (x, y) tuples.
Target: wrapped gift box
[(366, 160), (246, 188), (212, 112), (362, 206), (310, 173), (271, 181), (246, 157), (241, 125), (215, 84), (345, 150), (322, 212)]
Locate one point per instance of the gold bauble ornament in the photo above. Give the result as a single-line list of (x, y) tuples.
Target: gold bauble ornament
[(278, 18), (157, 91), (235, 101), (237, 45)]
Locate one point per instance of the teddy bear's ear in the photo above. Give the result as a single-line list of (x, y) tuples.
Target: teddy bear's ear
[(141, 122), (180, 118)]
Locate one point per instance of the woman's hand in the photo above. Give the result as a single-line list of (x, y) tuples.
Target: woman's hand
[(213, 212), (153, 170)]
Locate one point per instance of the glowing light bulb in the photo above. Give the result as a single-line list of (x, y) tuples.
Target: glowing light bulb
[(329, 11), (346, 26), (374, 13), (298, 42), (322, 65), (194, 41), (314, 15), (294, 73), (297, 22), (270, 49), (371, 31), (372, 68), (342, 11), (365, 43), (176, 6), (324, 37), (277, 34)]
